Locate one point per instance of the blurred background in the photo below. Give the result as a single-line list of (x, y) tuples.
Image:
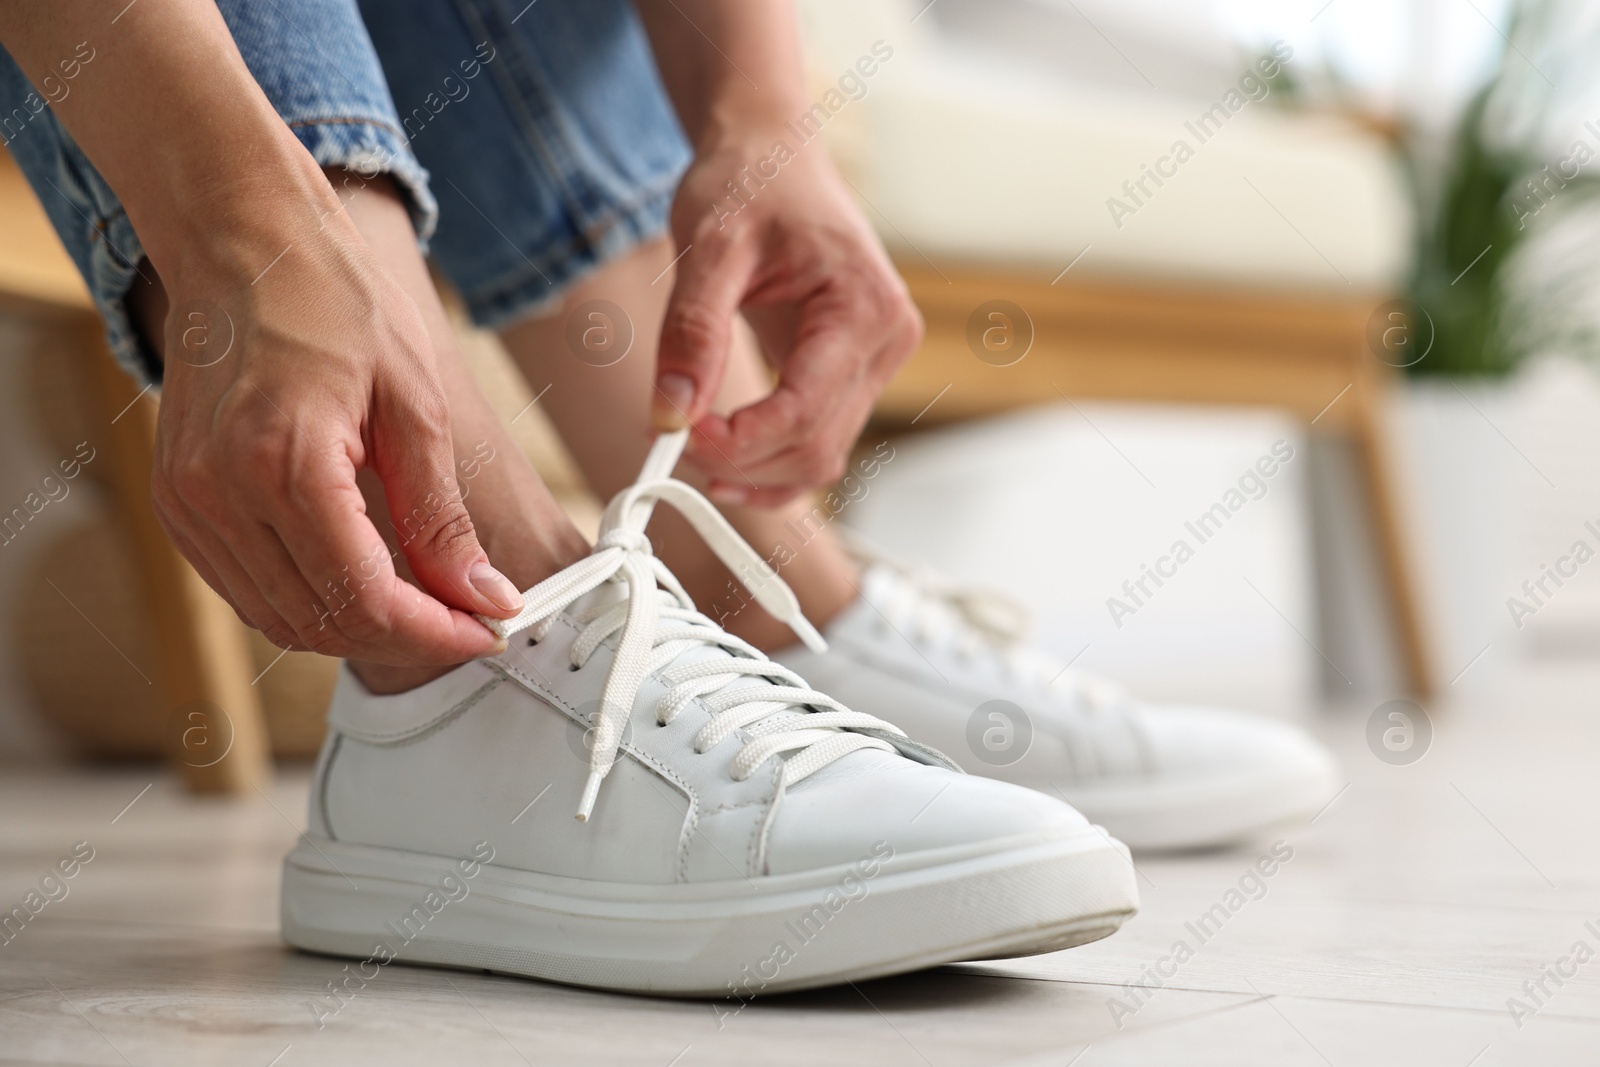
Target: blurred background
[(1154, 242)]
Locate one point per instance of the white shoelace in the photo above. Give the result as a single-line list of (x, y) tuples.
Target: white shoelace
[(776, 717)]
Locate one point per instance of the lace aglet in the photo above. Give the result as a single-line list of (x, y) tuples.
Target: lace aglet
[(808, 634), (591, 789)]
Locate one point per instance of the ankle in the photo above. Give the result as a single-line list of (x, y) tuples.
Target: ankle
[(823, 598)]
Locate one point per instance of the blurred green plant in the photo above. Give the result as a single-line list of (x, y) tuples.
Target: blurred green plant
[(1477, 236), (1461, 250)]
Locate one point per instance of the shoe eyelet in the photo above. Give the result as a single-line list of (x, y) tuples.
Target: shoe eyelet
[(532, 641), (573, 668)]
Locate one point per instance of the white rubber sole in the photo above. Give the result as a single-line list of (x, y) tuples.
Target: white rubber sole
[(1205, 812), (741, 938)]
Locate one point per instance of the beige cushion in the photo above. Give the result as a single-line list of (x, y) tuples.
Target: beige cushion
[(959, 158)]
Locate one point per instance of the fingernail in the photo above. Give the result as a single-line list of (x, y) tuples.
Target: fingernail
[(674, 397), (728, 494), (496, 587)]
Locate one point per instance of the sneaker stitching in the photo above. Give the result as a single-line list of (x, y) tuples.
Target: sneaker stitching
[(696, 811), (754, 856), (645, 758), (334, 743), (418, 733)]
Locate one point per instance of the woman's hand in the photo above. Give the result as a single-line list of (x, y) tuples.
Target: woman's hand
[(790, 250), (277, 391), (833, 318)]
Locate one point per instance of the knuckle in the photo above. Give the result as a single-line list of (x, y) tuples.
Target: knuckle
[(164, 500), (260, 451), (192, 482), (451, 533), (431, 411), (714, 232), (912, 328), (325, 641), (694, 329), (820, 465), (364, 621), (805, 418), (277, 631)]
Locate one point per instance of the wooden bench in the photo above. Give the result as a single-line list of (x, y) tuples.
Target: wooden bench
[(204, 661), (1126, 341)]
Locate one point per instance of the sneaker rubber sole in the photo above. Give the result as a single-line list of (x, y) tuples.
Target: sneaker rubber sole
[(738, 938), (1205, 812)]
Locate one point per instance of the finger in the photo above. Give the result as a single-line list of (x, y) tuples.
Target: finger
[(220, 567), (819, 462), (822, 374), (817, 424), (730, 495), (319, 544), (799, 434), (412, 455), (188, 501), (202, 566), (697, 331)]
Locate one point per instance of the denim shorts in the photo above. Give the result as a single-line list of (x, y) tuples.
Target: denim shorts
[(532, 141)]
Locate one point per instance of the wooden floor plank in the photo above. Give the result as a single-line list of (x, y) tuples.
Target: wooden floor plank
[(1411, 911)]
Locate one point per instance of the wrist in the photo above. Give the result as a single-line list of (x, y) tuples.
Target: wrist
[(223, 219), (736, 115)]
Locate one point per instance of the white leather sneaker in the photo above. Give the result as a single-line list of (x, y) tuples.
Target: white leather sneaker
[(950, 668), (737, 832)]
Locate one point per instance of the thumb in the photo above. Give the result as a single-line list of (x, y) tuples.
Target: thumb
[(412, 456), (696, 333)]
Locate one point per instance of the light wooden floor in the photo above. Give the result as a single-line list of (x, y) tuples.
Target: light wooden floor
[(1413, 908)]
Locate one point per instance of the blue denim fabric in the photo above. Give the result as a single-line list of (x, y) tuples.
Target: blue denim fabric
[(560, 153), (545, 126), (315, 63)]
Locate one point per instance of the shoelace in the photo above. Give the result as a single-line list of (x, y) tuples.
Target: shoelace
[(774, 717), (975, 624)]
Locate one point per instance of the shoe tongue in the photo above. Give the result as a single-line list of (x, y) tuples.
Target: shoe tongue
[(615, 591), (885, 593), (609, 592), (879, 581)]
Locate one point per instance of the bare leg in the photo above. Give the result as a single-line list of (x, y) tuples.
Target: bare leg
[(526, 534), (603, 415)]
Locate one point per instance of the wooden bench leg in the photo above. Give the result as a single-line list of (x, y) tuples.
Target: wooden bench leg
[(217, 734), (1369, 427)]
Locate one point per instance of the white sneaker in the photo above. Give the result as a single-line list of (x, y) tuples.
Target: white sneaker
[(950, 669), (737, 832)]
